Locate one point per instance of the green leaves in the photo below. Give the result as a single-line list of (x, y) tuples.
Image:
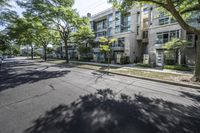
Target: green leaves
[(180, 10), (106, 43), (175, 44)]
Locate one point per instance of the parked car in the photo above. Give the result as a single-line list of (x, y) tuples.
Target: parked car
[(1, 60)]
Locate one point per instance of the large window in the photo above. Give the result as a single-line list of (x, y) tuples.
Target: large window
[(117, 29), (101, 25), (126, 23), (100, 34), (121, 42), (117, 21), (164, 37), (110, 31), (191, 39), (145, 34), (165, 19), (145, 9), (138, 22), (110, 20)]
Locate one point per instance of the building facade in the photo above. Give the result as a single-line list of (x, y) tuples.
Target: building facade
[(139, 32), (113, 24)]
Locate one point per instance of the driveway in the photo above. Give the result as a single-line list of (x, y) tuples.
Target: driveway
[(38, 97)]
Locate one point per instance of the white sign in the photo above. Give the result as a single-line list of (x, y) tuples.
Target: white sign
[(145, 59), (119, 58)]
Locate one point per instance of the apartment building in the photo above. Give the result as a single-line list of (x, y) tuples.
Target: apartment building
[(142, 31), (113, 24), (163, 28)]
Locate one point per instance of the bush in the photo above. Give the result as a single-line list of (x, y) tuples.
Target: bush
[(143, 65), (125, 60), (170, 62), (88, 59), (177, 67)]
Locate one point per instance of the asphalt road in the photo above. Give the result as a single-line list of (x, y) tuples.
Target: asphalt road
[(38, 97)]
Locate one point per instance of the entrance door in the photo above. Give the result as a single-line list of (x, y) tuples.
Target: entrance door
[(159, 58)]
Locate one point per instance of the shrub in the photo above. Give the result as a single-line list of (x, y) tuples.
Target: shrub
[(143, 65), (170, 62), (177, 67), (88, 59)]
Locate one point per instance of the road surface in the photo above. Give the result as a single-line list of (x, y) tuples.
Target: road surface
[(38, 97)]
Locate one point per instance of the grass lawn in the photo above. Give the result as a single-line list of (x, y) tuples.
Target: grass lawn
[(144, 73), (185, 78)]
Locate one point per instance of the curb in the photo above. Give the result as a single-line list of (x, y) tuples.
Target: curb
[(150, 79)]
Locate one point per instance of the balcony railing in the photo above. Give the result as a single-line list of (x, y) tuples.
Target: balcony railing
[(117, 48)]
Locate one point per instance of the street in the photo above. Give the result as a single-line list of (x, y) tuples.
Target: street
[(39, 97)]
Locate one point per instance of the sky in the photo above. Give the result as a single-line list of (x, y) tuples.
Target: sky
[(91, 6), (82, 6)]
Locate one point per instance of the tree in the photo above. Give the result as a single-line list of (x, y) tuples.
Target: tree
[(3, 42), (176, 45), (6, 15), (42, 36), (84, 38), (60, 16), (84, 35), (20, 31), (181, 10), (106, 47)]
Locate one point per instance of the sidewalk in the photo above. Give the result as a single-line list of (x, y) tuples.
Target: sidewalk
[(180, 78), (133, 66)]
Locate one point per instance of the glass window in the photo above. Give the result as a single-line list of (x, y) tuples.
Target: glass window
[(121, 42), (165, 37), (190, 39), (159, 39), (145, 10), (109, 31), (145, 34), (126, 23), (138, 18), (163, 21), (138, 29), (174, 34), (117, 29), (110, 20)]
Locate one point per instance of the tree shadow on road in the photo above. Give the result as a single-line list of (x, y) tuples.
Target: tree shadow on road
[(10, 79), (192, 96), (106, 112)]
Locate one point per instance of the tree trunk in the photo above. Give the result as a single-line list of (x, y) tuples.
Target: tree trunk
[(66, 51), (32, 52), (45, 53), (197, 67), (61, 53), (108, 61)]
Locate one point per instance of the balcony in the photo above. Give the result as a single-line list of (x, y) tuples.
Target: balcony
[(159, 46), (139, 37), (117, 48), (145, 40)]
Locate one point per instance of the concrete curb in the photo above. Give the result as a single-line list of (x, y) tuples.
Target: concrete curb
[(150, 79)]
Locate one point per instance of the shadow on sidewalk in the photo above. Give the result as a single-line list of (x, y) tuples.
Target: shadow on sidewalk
[(104, 112)]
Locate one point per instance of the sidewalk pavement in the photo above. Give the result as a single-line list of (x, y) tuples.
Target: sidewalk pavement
[(133, 66)]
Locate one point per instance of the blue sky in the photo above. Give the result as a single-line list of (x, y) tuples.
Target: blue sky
[(82, 6)]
